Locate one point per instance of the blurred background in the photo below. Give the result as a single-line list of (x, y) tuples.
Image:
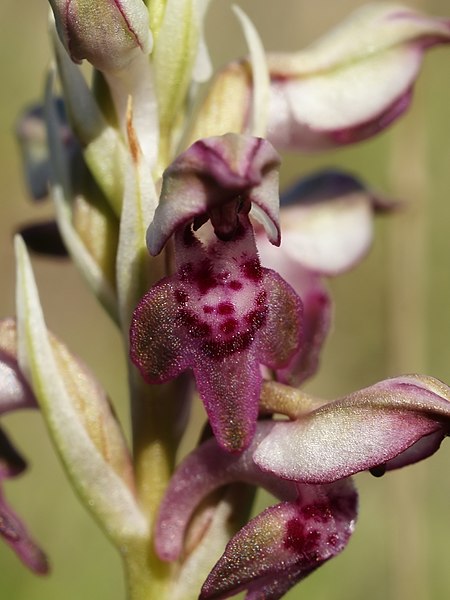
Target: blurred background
[(392, 316)]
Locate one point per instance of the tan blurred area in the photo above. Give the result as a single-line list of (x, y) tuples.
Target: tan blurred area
[(392, 316)]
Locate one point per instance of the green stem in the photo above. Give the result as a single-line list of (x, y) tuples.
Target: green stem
[(155, 415)]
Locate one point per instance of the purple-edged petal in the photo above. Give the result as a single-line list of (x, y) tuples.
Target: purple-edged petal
[(327, 222), (347, 86), (14, 394), (317, 309), (353, 82), (361, 431), (284, 544), (16, 536), (212, 176)]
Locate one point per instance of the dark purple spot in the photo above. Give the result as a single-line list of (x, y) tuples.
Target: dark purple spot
[(219, 349), (235, 285), (256, 318), (195, 327), (229, 326), (252, 270), (208, 309), (304, 543), (225, 308), (261, 298), (204, 277), (320, 513), (181, 296)]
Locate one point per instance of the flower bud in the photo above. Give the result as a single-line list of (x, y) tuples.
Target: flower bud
[(108, 34)]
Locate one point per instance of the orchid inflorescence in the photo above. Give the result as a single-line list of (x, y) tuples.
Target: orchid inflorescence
[(172, 215)]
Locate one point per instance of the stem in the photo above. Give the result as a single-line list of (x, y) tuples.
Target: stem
[(156, 415)]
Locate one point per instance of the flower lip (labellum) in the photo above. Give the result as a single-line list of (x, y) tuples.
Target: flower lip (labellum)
[(221, 314)]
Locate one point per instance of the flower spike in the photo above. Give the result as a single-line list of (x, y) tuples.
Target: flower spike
[(221, 314)]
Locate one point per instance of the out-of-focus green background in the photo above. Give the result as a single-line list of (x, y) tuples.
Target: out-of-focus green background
[(392, 316)]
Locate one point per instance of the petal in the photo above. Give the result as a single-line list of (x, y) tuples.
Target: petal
[(15, 393), (282, 333), (361, 431), (206, 469), (108, 34), (327, 222), (211, 174), (157, 344), (346, 87), (285, 543), (317, 311), (16, 536), (354, 81), (230, 388)]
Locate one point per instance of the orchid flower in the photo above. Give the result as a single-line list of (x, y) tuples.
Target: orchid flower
[(221, 314), (306, 462), (348, 86), (276, 549)]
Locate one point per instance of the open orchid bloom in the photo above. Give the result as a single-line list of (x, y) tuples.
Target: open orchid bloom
[(221, 313), (327, 224), (276, 549), (306, 463), (15, 394), (388, 425), (348, 86)]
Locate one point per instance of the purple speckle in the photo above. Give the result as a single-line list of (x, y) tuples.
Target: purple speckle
[(320, 513), (195, 327), (333, 540), (252, 270), (235, 285), (229, 326), (205, 278), (304, 543), (225, 308), (256, 318), (181, 296)]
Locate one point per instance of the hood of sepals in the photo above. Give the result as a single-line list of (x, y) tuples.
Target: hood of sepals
[(276, 549), (221, 313)]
